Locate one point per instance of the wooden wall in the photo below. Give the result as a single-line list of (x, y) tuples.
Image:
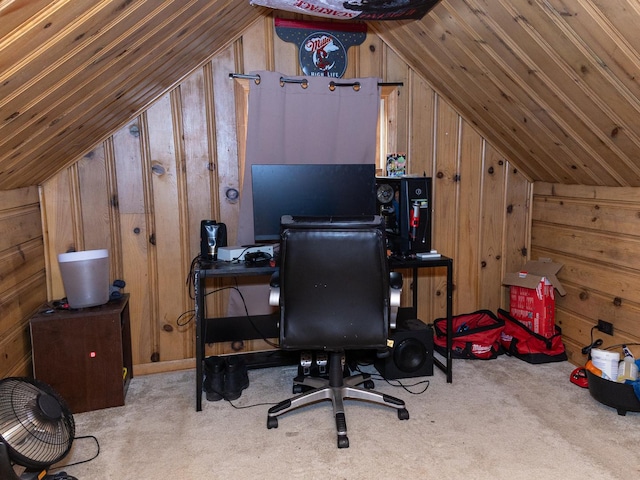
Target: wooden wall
[(143, 191), (22, 277), (594, 232)]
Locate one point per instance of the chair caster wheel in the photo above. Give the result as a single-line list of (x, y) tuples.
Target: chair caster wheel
[(369, 385), (403, 414), (343, 441), (272, 422)]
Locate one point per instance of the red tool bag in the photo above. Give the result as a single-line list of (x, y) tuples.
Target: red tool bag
[(525, 344), (475, 335)]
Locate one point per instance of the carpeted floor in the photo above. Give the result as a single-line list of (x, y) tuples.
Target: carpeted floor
[(499, 419)]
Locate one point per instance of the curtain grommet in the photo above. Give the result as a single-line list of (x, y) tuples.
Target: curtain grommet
[(332, 85), (304, 83), (356, 87)]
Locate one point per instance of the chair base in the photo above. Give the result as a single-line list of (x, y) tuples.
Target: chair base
[(336, 389)]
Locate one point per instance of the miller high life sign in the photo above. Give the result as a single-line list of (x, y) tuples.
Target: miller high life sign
[(322, 46)]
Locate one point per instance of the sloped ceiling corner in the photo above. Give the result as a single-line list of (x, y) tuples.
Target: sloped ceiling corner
[(552, 83), (72, 72)]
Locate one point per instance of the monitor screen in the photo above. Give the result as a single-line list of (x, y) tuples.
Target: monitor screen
[(309, 190)]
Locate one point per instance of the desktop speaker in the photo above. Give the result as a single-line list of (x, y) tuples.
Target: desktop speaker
[(405, 204), (411, 354), (388, 201), (213, 235)]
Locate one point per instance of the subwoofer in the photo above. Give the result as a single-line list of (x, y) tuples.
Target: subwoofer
[(411, 354)]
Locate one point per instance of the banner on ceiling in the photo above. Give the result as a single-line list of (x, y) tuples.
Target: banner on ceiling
[(354, 9)]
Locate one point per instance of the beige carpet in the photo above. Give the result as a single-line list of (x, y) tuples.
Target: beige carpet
[(500, 419)]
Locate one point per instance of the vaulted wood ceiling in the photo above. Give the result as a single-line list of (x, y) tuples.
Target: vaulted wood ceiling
[(552, 83)]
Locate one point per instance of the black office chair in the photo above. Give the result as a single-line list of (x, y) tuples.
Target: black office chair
[(335, 291)]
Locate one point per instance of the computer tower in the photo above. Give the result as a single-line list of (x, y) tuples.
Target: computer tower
[(406, 205)]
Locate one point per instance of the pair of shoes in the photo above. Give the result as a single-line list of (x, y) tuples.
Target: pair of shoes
[(213, 383), (224, 378)]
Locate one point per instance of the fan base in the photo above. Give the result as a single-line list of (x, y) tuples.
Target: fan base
[(7, 471)]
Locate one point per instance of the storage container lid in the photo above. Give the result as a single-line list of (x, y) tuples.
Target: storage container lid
[(82, 255)]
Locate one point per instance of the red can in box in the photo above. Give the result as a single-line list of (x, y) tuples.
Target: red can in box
[(532, 295)]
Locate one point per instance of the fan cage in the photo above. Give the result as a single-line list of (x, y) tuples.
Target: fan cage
[(33, 438)]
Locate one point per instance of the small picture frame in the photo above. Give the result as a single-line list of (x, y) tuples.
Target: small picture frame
[(396, 164)]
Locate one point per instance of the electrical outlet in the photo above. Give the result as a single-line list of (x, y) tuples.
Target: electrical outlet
[(605, 327)]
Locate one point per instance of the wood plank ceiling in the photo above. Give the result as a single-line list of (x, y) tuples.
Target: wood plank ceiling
[(552, 83), (73, 71)]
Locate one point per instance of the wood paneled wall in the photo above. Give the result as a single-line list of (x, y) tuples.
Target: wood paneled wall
[(143, 192), (594, 232), (22, 277)]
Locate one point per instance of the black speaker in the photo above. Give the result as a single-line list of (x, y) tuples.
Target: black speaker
[(411, 354), (213, 235), (388, 202)]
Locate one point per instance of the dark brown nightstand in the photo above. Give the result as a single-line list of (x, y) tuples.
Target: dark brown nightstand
[(84, 354)]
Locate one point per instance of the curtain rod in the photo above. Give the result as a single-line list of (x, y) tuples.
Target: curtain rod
[(332, 85)]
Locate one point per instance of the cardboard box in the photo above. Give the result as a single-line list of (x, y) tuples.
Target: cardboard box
[(532, 298)]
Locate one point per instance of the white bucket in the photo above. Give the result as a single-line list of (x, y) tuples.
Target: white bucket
[(607, 362), (85, 276)]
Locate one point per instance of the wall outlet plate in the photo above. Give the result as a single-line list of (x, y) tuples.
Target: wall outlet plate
[(605, 327)]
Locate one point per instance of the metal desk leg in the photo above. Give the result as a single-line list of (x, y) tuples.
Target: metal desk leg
[(199, 316), (414, 304), (449, 320)]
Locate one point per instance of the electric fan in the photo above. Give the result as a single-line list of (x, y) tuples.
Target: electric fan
[(36, 428)]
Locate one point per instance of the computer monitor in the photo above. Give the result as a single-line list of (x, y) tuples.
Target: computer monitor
[(309, 190)]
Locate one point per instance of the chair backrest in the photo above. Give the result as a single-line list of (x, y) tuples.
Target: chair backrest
[(334, 283)]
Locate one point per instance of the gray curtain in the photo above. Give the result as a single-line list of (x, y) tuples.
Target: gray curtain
[(291, 122)]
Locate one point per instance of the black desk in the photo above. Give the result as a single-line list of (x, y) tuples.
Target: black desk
[(414, 265), (225, 328), (242, 328)]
